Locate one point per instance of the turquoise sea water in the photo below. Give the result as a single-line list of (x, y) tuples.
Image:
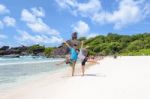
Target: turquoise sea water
[(17, 70)]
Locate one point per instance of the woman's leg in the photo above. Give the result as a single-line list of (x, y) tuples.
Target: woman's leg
[(83, 69), (83, 66), (73, 67)]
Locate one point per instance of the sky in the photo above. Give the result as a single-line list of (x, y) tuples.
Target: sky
[(50, 22)]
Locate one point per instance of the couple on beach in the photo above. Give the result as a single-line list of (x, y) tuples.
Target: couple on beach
[(75, 53)]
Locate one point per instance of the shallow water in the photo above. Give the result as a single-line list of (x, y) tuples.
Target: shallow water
[(14, 71)]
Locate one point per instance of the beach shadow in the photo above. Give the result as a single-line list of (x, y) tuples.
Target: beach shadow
[(85, 75), (67, 76), (90, 74), (95, 75)]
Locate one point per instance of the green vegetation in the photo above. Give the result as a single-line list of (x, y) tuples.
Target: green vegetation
[(115, 44), (35, 49), (40, 50), (48, 51)]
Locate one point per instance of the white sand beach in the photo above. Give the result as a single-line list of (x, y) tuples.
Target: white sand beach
[(122, 78)]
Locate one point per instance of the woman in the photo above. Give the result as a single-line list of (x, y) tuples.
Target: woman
[(73, 55)]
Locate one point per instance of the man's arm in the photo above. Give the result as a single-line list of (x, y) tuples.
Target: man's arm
[(81, 44)]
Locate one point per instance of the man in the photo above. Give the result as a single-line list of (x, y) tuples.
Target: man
[(83, 56), (73, 55)]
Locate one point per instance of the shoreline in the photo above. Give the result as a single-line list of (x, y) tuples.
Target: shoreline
[(40, 80)]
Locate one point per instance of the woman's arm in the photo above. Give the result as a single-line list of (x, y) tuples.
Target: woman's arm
[(67, 44)]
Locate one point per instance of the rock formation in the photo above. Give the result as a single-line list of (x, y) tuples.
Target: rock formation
[(5, 50), (63, 49)]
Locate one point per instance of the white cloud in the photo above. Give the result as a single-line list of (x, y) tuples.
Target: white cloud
[(9, 21), (81, 27), (46, 34), (27, 39), (27, 16), (40, 27), (39, 12), (128, 11), (55, 40), (1, 25), (34, 21), (83, 9), (3, 36), (92, 35), (87, 9), (3, 9), (66, 3), (146, 10)]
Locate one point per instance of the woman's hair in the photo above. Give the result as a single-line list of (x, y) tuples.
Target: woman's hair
[(74, 44), (87, 54)]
